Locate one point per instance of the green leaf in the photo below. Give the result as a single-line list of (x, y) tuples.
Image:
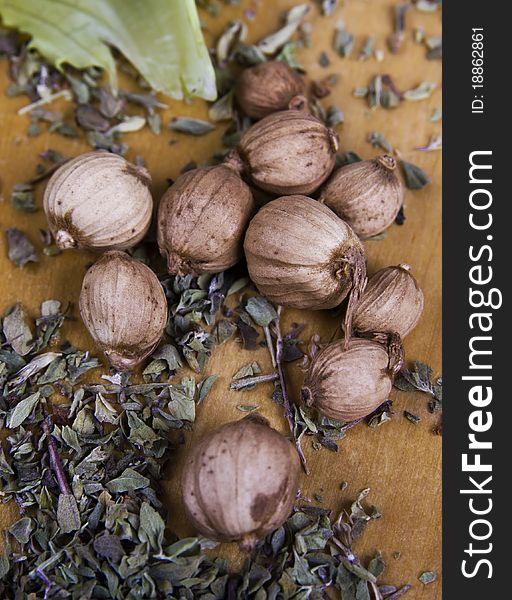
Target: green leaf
[(104, 411), (141, 434), (5, 467), (377, 565), (22, 410), (128, 481), (415, 177), (22, 529), (261, 311), (247, 407), (205, 386), (4, 563), (169, 354), (252, 368), (182, 405), (191, 127), (17, 331), (162, 39), (68, 516), (109, 546), (152, 527)]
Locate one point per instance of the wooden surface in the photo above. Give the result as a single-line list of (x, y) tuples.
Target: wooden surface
[(400, 462)]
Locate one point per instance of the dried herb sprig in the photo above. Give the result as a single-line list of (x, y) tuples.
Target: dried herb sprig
[(419, 378)]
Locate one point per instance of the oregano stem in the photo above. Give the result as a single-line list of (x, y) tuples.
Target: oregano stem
[(282, 380), (55, 461), (250, 381)]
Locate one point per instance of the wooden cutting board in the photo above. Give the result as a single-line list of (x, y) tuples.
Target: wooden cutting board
[(399, 461)]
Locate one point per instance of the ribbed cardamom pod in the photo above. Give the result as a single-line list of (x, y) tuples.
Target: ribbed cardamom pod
[(366, 194), (240, 481), (391, 301), (300, 254), (350, 383), (288, 152), (98, 201), (202, 219), (267, 88), (124, 308)]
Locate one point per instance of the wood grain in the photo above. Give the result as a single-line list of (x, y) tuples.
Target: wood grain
[(400, 462)]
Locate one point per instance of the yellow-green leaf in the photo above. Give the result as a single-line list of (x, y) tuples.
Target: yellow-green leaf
[(161, 38)]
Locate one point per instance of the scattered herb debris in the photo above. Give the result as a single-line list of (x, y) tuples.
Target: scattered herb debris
[(414, 419), (247, 407), (378, 140), (396, 39), (22, 197), (21, 250), (435, 143), (436, 116), (85, 474), (343, 40), (400, 217), (427, 577), (190, 126), (423, 91), (419, 378), (367, 49), (414, 176)]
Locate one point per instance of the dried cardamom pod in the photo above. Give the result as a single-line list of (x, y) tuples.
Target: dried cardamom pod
[(267, 88), (300, 254), (288, 152), (366, 194), (202, 219), (349, 383), (124, 308), (392, 301), (240, 482), (98, 201)]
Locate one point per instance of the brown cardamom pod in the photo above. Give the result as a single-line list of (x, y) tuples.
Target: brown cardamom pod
[(366, 194)]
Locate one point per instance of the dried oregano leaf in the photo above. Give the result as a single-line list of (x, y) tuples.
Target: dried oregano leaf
[(190, 126), (423, 91), (418, 378), (182, 404), (104, 411), (205, 386), (428, 577), (68, 516), (22, 529), (415, 177), (261, 311), (414, 419), (328, 7), (271, 44), (247, 407), (223, 109), (4, 563), (343, 40), (248, 370), (109, 546), (20, 413), (151, 527), (17, 331), (128, 481), (23, 198), (436, 116), (21, 251), (377, 565)]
